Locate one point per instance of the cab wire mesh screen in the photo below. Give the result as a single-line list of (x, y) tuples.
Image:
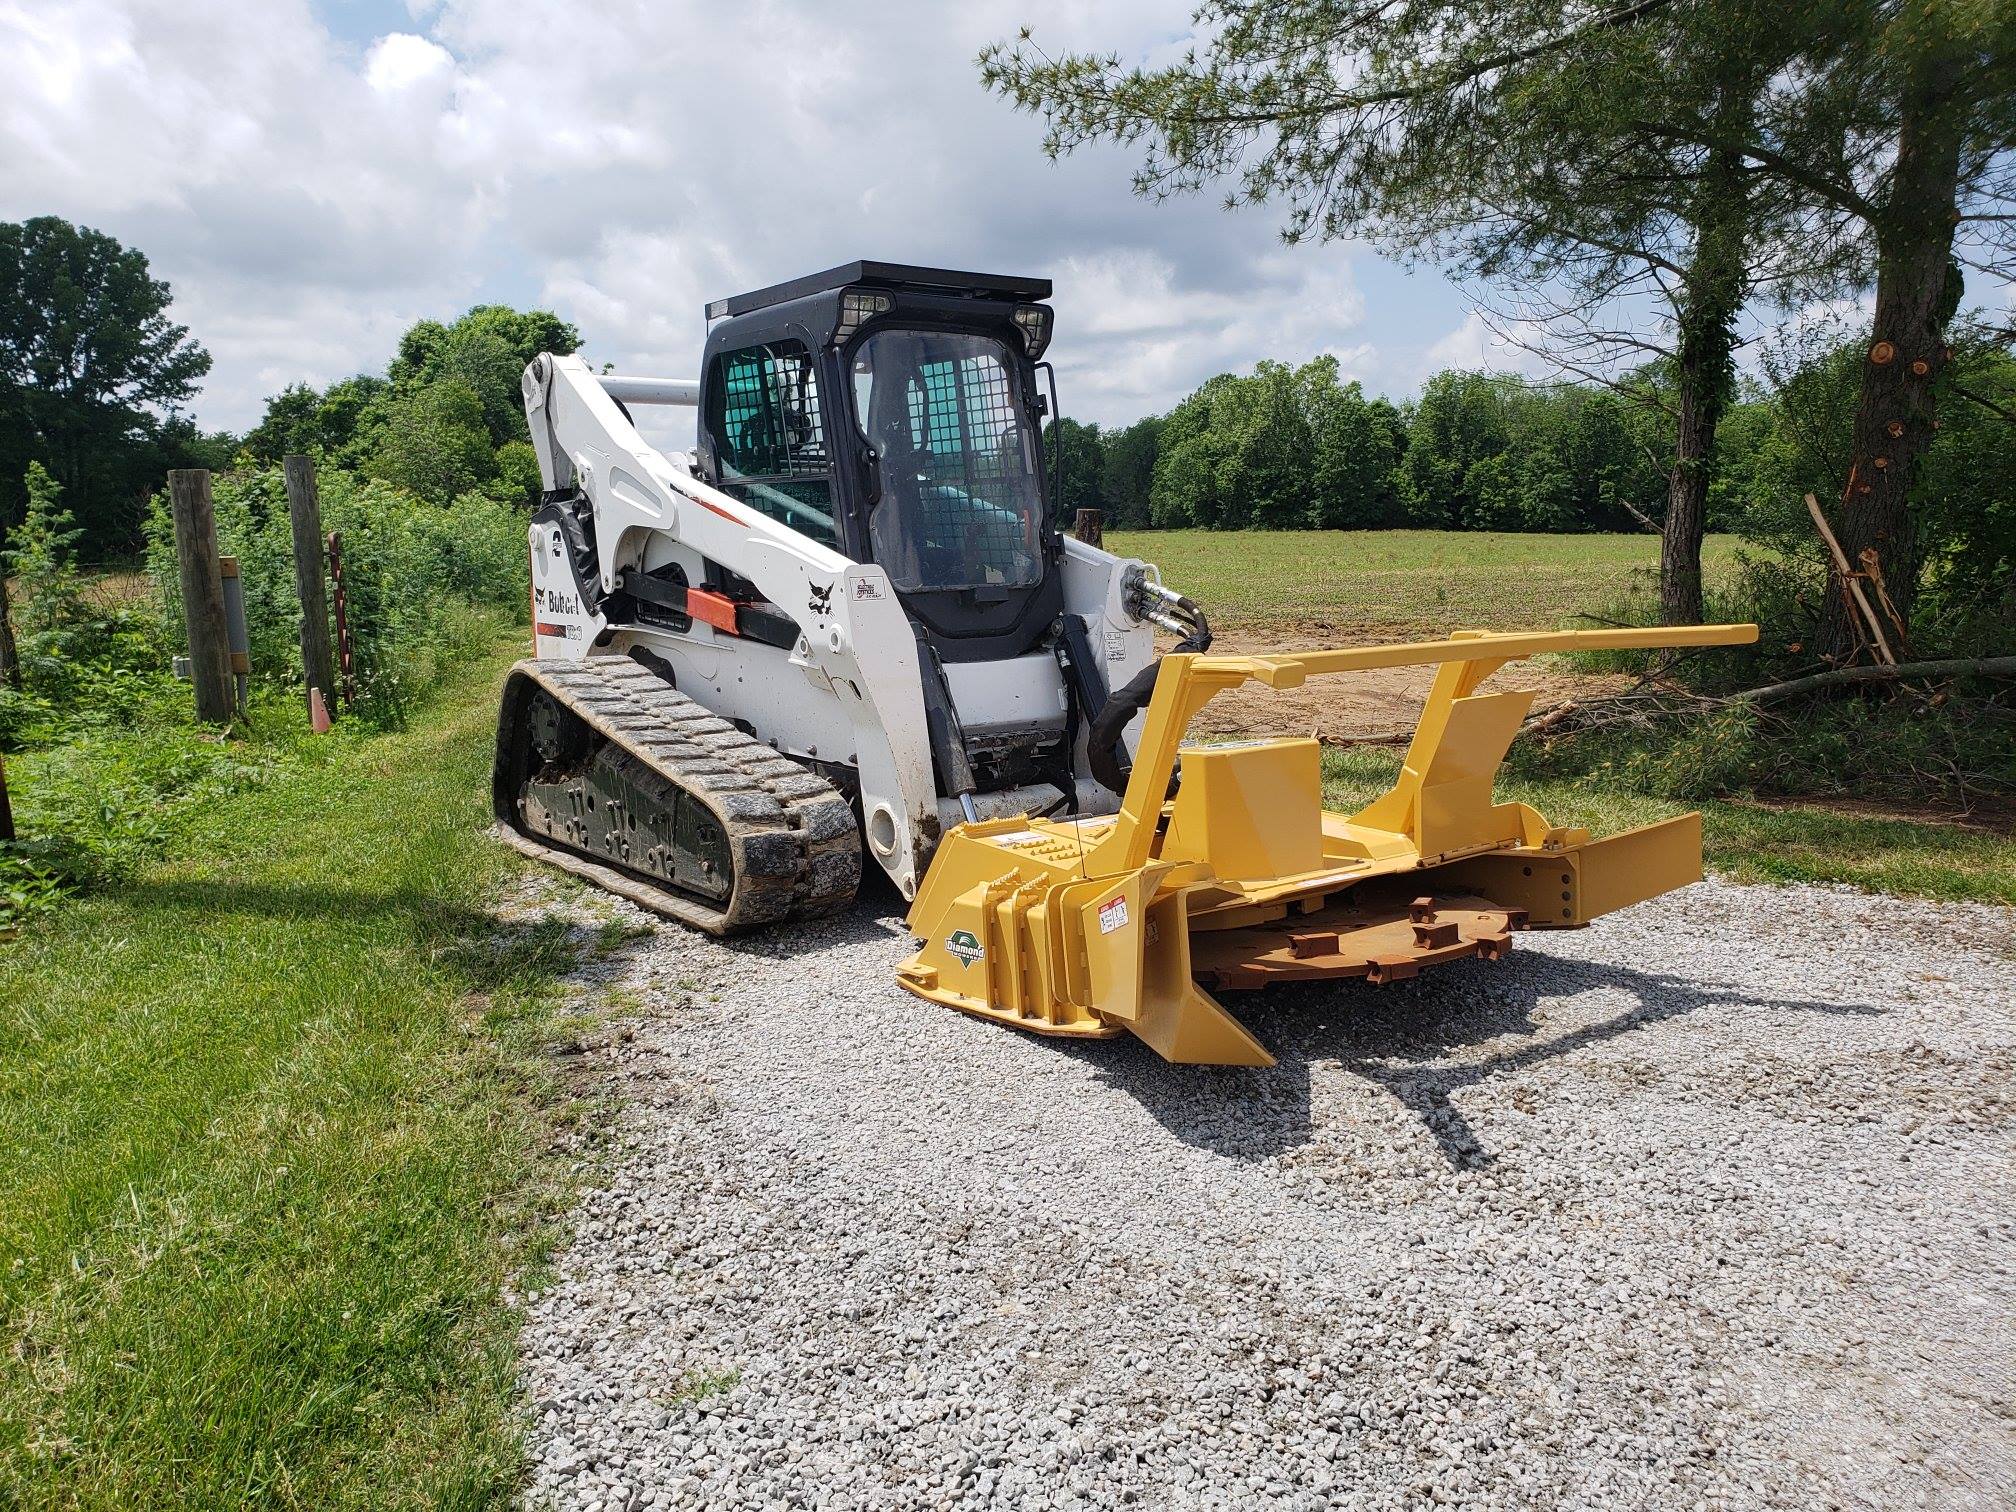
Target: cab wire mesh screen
[(764, 416), (968, 437)]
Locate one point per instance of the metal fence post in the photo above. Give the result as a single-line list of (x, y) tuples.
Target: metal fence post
[(202, 593), (343, 655), (236, 631), (304, 511)]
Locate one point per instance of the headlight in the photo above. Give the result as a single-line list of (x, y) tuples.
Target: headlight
[(857, 308), (1033, 321)]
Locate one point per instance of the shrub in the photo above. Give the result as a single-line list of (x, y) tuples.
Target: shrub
[(411, 573)]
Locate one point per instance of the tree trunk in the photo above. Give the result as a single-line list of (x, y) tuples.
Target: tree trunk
[(1716, 285), (1917, 290)]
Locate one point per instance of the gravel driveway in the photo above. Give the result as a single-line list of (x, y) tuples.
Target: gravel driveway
[(1711, 1204)]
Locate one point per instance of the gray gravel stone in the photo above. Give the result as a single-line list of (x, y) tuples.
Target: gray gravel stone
[(1712, 1204)]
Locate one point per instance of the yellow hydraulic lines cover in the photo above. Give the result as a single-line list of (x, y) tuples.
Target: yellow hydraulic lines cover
[(1086, 927)]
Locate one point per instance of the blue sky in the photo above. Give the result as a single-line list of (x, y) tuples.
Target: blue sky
[(311, 178)]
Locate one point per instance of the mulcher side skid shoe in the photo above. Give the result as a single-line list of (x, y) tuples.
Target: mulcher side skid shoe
[(1095, 926)]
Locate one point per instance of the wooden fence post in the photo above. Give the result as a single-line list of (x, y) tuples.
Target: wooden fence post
[(1090, 527), (304, 509), (10, 655), (202, 593)]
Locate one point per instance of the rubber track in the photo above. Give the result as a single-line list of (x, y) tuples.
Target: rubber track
[(795, 846)]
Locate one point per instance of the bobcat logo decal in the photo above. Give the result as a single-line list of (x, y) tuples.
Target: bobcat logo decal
[(822, 599)]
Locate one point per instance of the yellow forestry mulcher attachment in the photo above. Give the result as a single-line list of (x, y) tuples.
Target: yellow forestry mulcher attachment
[(1095, 926)]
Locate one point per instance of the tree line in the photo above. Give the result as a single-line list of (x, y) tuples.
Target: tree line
[(445, 419), (93, 369), (1295, 448), (93, 373), (1710, 157)]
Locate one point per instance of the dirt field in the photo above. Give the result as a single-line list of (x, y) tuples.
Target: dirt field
[(1355, 705)]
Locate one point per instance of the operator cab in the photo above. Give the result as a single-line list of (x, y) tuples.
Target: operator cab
[(894, 414)]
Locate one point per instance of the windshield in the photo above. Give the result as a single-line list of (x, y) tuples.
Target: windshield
[(961, 502)]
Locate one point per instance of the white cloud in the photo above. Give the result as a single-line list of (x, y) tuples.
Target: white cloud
[(1136, 335), (1470, 345), (1474, 346), (400, 60), (307, 198)]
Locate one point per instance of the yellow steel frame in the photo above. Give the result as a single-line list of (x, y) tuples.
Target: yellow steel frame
[(1082, 928)]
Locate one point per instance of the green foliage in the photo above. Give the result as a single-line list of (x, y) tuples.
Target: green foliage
[(1127, 472), (1355, 447), (1957, 750), (292, 423), (424, 476), (434, 442), (517, 479), (485, 351), (1299, 449), (428, 350), (1080, 452), (108, 764), (1965, 510), (106, 758), (1896, 749), (123, 784), (408, 569), (1235, 453), (337, 424), (1458, 425), (88, 360), (43, 559), (447, 418)]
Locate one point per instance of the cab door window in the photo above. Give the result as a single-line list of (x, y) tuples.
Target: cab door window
[(769, 440), (962, 500)]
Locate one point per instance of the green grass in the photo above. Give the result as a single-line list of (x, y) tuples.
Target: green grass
[(1424, 581), (1747, 841), (274, 1111)]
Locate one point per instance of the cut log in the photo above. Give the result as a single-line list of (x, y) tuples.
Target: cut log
[(1988, 666)]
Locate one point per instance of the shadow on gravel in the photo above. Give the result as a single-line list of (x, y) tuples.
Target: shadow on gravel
[(1404, 1038)]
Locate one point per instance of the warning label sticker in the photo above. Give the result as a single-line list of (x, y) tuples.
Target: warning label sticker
[(1113, 915)]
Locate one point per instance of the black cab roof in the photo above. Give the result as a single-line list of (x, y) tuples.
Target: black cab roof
[(884, 275)]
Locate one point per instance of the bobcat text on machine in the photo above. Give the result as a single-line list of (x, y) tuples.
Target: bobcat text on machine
[(849, 618)]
